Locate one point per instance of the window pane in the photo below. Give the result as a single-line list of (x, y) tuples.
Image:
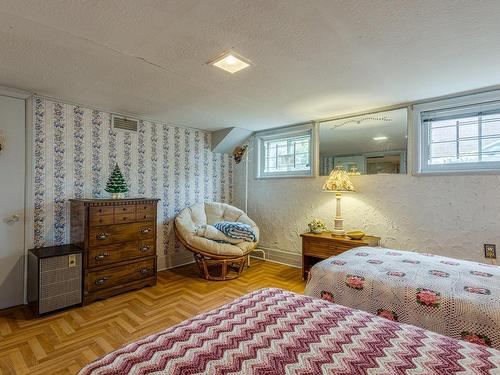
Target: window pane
[(468, 151), (444, 123), (491, 149), (442, 153), (491, 125), (302, 160), (270, 163), (468, 129), (302, 146), (289, 154), (464, 134), (439, 134), (282, 148)]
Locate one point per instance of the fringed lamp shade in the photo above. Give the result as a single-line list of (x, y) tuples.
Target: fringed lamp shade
[(338, 181)]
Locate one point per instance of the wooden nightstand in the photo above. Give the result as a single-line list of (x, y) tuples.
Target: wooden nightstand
[(316, 247)]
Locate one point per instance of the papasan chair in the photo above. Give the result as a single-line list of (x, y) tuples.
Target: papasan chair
[(216, 260)]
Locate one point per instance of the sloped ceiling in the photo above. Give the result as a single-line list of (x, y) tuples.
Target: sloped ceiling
[(311, 59)]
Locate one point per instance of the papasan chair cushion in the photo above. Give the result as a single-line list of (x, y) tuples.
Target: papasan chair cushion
[(190, 218)]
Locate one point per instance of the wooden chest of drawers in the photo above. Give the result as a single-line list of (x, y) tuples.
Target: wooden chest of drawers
[(316, 247), (119, 241)]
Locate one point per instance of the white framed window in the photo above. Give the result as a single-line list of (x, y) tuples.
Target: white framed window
[(289, 152), (459, 135)]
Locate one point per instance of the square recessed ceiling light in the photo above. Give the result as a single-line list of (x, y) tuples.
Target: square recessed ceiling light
[(379, 138), (230, 62)]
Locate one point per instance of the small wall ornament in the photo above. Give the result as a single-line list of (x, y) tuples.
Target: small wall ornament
[(239, 152), (116, 184)]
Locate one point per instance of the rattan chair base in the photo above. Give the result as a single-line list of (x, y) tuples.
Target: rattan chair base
[(220, 269), (216, 267)]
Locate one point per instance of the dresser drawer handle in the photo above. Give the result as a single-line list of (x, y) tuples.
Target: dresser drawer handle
[(145, 248), (102, 236), (102, 280), (101, 256), (145, 230), (145, 271)]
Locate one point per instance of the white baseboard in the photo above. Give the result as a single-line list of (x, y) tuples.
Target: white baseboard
[(272, 255), (175, 266), (281, 257), (165, 262)]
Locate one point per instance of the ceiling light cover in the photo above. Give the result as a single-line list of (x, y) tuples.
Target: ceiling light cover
[(379, 138), (231, 62)]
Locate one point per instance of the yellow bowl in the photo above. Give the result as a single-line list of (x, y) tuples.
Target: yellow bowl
[(355, 235)]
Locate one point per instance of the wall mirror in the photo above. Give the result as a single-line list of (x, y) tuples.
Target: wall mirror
[(367, 144)]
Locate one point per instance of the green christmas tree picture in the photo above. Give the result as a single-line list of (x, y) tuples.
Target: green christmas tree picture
[(116, 184)]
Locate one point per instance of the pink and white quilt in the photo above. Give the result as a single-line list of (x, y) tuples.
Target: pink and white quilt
[(272, 331), (456, 298)]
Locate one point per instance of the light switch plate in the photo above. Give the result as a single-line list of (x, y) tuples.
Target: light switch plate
[(490, 251), (72, 260)]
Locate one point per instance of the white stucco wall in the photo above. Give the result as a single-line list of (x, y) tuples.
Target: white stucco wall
[(445, 215)]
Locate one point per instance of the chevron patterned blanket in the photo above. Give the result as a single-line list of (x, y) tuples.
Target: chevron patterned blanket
[(237, 230), (456, 298), (272, 331)]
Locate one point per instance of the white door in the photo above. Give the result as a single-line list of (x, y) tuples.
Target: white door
[(12, 158)]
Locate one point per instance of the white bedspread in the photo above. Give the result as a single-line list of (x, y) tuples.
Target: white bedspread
[(457, 298)]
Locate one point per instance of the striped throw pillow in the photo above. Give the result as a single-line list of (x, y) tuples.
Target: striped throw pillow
[(236, 230)]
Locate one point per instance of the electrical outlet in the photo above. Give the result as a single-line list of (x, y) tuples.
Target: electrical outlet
[(490, 251), (72, 260)]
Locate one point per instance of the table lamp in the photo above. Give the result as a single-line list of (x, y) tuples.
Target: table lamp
[(338, 181)]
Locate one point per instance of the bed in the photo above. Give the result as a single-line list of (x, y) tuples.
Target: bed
[(456, 298), (272, 331)]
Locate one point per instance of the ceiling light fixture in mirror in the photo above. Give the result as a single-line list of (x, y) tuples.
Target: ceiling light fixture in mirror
[(374, 143)]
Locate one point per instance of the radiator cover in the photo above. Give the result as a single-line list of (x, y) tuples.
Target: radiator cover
[(52, 284)]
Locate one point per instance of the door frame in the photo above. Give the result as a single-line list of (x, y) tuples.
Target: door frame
[(24, 95)]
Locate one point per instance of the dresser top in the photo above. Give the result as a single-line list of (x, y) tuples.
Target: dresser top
[(99, 201)]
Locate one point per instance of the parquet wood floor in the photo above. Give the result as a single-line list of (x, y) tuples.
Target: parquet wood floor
[(65, 342)]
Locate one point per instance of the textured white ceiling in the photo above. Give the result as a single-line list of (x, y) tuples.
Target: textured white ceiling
[(312, 59)]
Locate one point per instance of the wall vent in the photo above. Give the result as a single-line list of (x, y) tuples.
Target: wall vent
[(124, 123)]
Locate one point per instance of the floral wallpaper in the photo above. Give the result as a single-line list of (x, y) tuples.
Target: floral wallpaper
[(75, 149)]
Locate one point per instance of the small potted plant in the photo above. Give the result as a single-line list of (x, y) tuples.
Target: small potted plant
[(317, 226)]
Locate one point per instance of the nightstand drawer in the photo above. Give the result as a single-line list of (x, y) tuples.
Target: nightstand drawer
[(322, 249), (316, 247), (341, 247)]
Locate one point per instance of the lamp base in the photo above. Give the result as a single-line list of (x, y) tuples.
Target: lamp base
[(338, 232), (338, 226)]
